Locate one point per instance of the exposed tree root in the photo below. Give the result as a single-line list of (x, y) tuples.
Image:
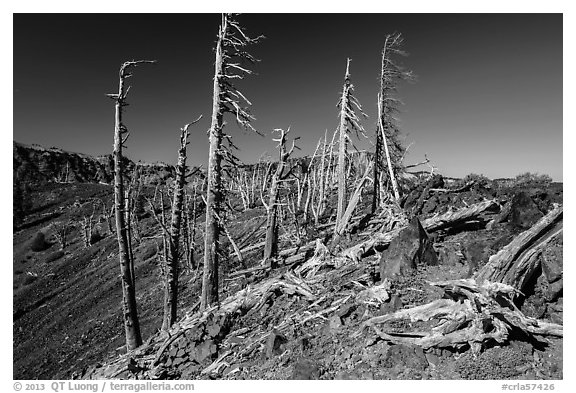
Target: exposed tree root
[(474, 315)]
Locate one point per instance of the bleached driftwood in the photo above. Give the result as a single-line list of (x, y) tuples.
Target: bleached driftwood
[(516, 263), (474, 314)]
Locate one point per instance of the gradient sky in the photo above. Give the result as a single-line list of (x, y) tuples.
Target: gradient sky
[(488, 98)]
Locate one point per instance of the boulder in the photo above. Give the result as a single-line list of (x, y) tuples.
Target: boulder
[(305, 369), (476, 253), (411, 247), (552, 263), (450, 255), (275, 344), (524, 213), (205, 350)]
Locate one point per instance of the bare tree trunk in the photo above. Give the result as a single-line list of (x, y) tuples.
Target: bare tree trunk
[(342, 143), (271, 245), (515, 264), (130, 313), (323, 170), (213, 193), (172, 265), (226, 98), (388, 161), (341, 226), (192, 260), (348, 122)]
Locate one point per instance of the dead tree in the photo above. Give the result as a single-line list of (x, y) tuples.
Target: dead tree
[(230, 52), (387, 130), (133, 200), (341, 226), (189, 226), (516, 263), (87, 224), (280, 175), (61, 231), (349, 122), (108, 213), (172, 264), (130, 313)]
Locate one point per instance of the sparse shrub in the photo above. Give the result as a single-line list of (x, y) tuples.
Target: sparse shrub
[(55, 256), (494, 363), (96, 236), (478, 179), (532, 180), (39, 242), (30, 278), (21, 204), (147, 251), (61, 231)]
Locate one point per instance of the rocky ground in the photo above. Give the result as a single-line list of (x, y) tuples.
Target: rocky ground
[(300, 321)]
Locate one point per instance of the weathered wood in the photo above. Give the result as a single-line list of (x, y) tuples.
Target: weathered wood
[(341, 227), (387, 151), (465, 187), (432, 224), (348, 122), (486, 313), (225, 99), (130, 313), (173, 263), (515, 264), (271, 242), (451, 219)]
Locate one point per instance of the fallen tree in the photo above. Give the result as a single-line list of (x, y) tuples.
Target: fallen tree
[(473, 314), (438, 222), (515, 264)]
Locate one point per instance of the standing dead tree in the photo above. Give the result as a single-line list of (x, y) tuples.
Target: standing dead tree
[(172, 264), (130, 313), (280, 175), (108, 214), (349, 122), (134, 205), (61, 231), (230, 53), (343, 224), (247, 180), (189, 225), (387, 130), (87, 225)]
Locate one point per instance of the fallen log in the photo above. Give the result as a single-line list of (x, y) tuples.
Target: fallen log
[(515, 264), (442, 221), (246, 299), (473, 315), (454, 218), (465, 187)]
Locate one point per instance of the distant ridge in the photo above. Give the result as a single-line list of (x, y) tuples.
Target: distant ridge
[(36, 164)]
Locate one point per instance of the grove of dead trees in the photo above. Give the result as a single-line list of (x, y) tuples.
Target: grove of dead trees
[(294, 192)]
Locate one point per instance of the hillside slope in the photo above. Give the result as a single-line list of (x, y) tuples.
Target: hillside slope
[(304, 320)]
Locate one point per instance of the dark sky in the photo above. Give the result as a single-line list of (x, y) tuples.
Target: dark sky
[(488, 97)]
